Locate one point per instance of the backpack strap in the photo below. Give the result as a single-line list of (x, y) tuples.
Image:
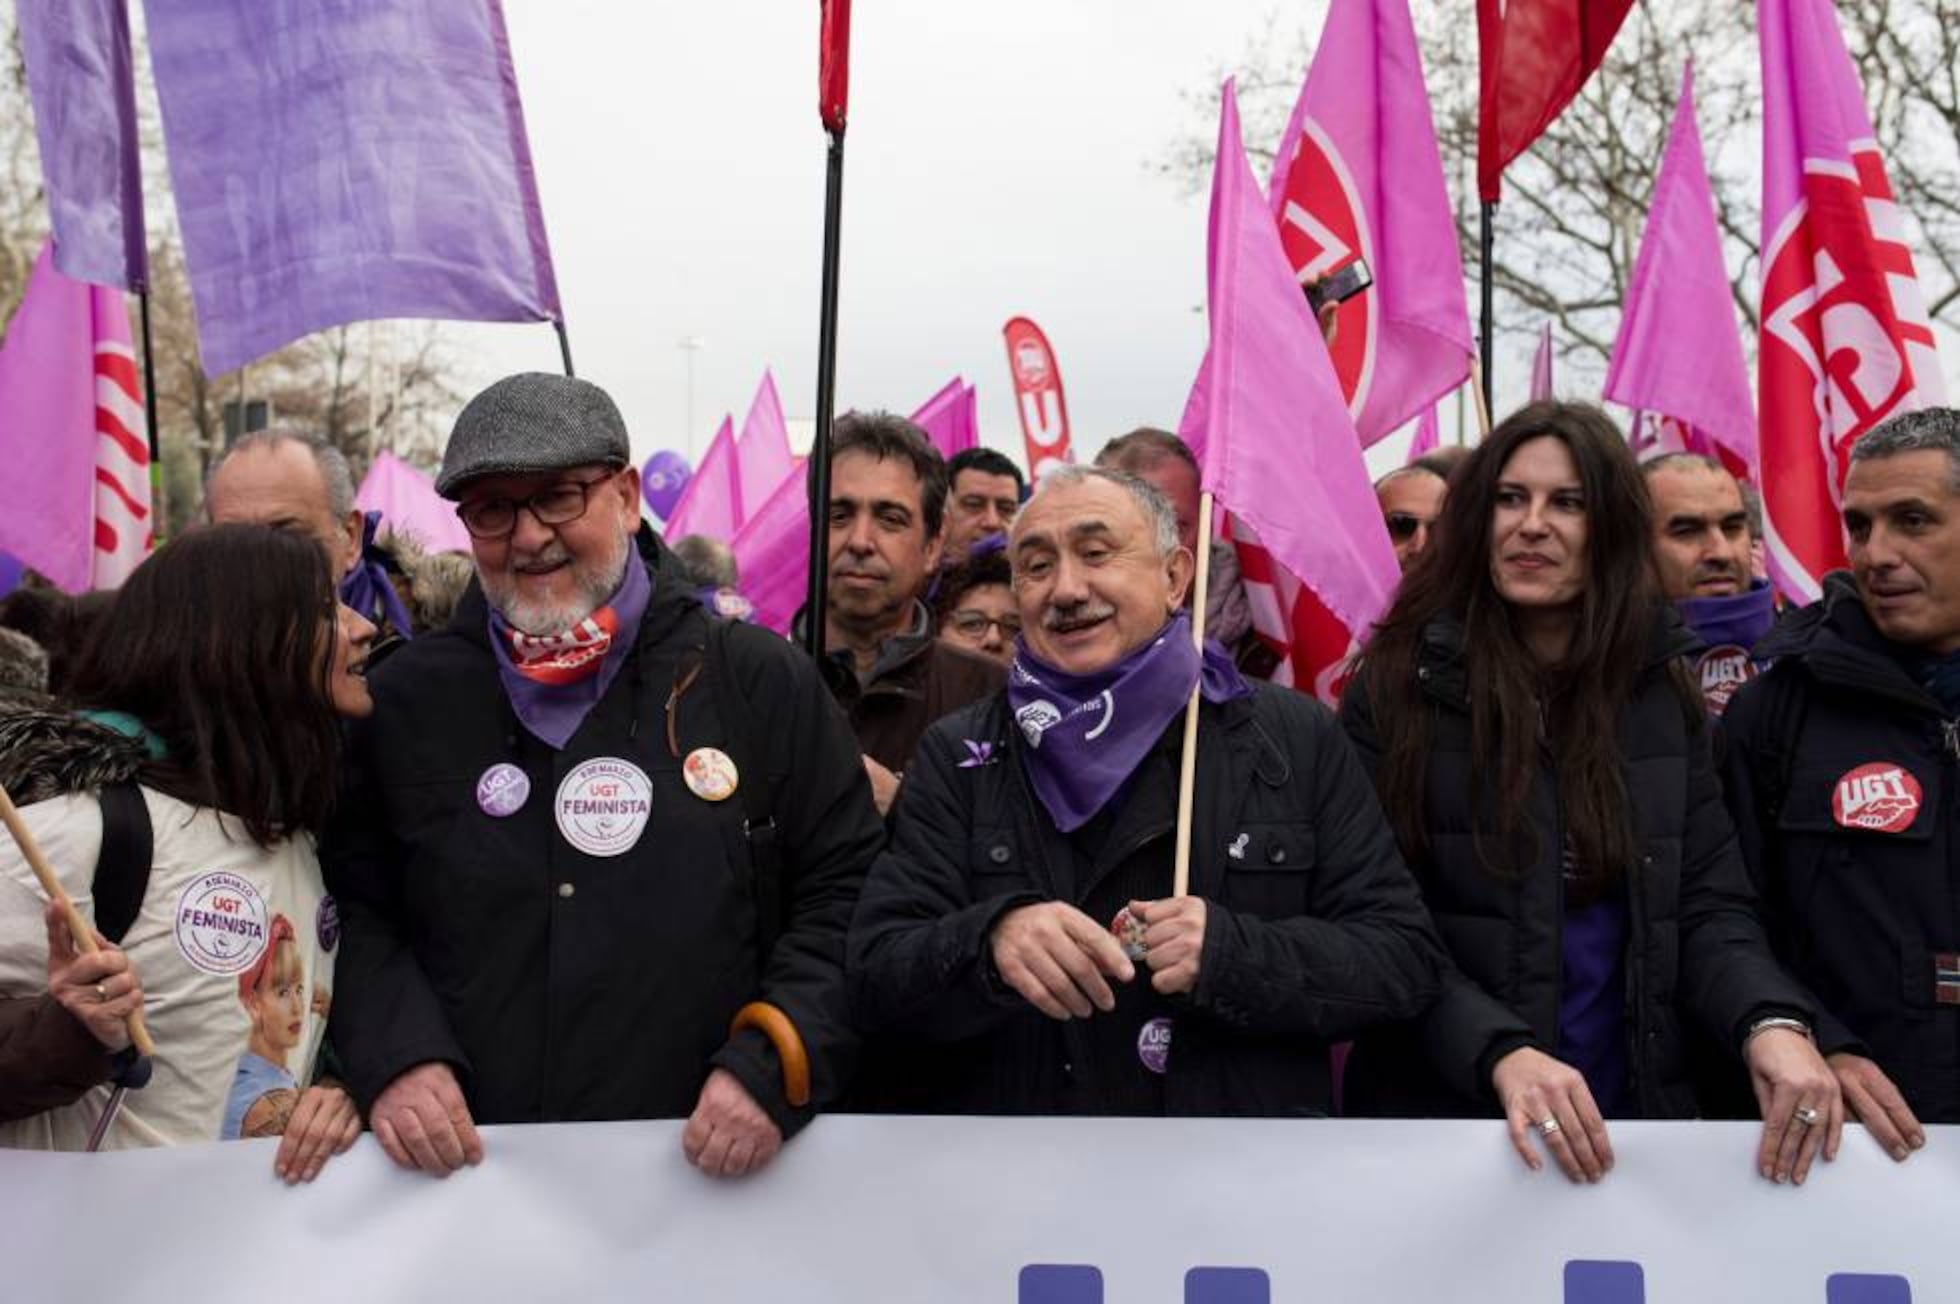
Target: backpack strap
[(122, 868), (758, 794)]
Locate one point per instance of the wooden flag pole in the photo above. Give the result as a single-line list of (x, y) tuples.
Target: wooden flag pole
[(139, 1033), (1481, 403), (1188, 766)]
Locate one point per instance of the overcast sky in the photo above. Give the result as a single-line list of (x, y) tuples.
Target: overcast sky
[(998, 162)]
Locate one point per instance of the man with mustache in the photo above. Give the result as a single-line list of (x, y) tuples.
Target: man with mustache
[(1842, 764), (1019, 936), (1702, 540), (586, 825), (882, 661)]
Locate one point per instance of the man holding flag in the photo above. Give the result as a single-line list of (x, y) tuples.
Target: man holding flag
[(1032, 819)]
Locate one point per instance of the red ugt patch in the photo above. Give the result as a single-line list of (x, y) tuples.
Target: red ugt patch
[(1881, 797)]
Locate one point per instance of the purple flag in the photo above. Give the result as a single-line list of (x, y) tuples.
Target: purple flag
[(347, 162), (47, 391), (1429, 435), (1679, 353), (408, 503), (1280, 449), (79, 74), (1541, 365), (762, 456), (772, 553), (951, 418), (712, 502)]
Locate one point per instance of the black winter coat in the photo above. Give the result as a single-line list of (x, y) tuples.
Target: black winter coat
[(1313, 929), (1860, 879), (568, 986), (1695, 946)]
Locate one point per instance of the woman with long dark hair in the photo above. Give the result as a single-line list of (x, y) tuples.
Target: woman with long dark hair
[(214, 689), (1546, 766)]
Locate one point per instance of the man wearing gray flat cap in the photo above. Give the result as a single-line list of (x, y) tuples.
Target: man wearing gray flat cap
[(596, 849)]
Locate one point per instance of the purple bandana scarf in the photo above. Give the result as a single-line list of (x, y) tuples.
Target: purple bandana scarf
[(367, 588), (1740, 619), (553, 712), (1087, 734)]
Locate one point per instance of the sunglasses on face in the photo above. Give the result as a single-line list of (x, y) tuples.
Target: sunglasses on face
[(1402, 526)]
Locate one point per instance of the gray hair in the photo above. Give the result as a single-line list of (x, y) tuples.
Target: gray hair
[(1935, 429), (1682, 461), (1155, 507), (707, 563), (339, 476)]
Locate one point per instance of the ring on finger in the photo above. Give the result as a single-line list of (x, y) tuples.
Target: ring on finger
[(1547, 1126), (1808, 1117), (101, 993)]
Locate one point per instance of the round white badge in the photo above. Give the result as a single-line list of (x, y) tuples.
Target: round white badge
[(603, 805), (710, 774), (221, 923)]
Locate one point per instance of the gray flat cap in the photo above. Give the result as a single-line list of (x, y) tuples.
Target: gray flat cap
[(533, 421)]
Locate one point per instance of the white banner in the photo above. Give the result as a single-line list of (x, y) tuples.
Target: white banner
[(995, 1211)]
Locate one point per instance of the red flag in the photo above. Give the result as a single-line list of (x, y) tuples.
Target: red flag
[(1534, 55), (834, 65), (1037, 394)]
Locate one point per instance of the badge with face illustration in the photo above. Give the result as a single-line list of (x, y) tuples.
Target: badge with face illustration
[(1128, 931), (710, 774)]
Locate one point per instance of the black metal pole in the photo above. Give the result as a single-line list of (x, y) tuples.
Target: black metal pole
[(564, 347), (1489, 307), (833, 220), (150, 412)]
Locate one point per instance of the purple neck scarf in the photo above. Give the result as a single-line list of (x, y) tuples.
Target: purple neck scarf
[(367, 588), (1740, 619), (553, 712), (1087, 734)]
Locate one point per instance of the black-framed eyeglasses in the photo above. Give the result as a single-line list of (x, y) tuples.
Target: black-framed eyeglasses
[(493, 518), (972, 624), (1402, 526)]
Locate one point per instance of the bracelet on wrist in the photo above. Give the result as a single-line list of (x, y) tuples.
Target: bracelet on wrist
[(1778, 1021)]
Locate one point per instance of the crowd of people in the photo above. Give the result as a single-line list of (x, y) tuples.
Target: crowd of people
[(1599, 831)]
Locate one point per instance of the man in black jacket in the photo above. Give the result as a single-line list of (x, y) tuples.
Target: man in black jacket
[(587, 825), (1038, 826), (1843, 774)]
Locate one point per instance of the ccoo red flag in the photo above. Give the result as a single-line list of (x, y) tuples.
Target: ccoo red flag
[(834, 65), (1533, 56)]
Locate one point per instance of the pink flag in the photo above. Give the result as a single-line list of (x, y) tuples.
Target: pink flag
[(1845, 340), (1429, 435), (1358, 174), (1280, 448), (60, 403), (1541, 365), (762, 456), (1678, 352), (951, 418), (408, 502), (772, 552), (712, 502), (125, 531)]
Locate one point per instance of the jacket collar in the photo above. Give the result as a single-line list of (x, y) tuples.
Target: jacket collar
[(1835, 642), (1443, 670)]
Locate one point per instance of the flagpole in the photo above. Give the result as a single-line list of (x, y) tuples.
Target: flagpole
[(833, 95), (150, 411), (564, 345), (1188, 766), (1486, 209), (1482, 405)]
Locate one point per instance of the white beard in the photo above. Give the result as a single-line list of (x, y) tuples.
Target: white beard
[(595, 582)]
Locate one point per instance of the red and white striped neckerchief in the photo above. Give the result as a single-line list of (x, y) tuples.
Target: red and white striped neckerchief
[(565, 658)]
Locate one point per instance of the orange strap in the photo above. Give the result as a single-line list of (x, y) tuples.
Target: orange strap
[(782, 1034)]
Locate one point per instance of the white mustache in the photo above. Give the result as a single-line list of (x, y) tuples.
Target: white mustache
[(551, 554), (1088, 613)]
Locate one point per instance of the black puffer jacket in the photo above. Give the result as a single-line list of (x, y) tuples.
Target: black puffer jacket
[(1695, 946), (572, 986), (1313, 930), (1843, 776)]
